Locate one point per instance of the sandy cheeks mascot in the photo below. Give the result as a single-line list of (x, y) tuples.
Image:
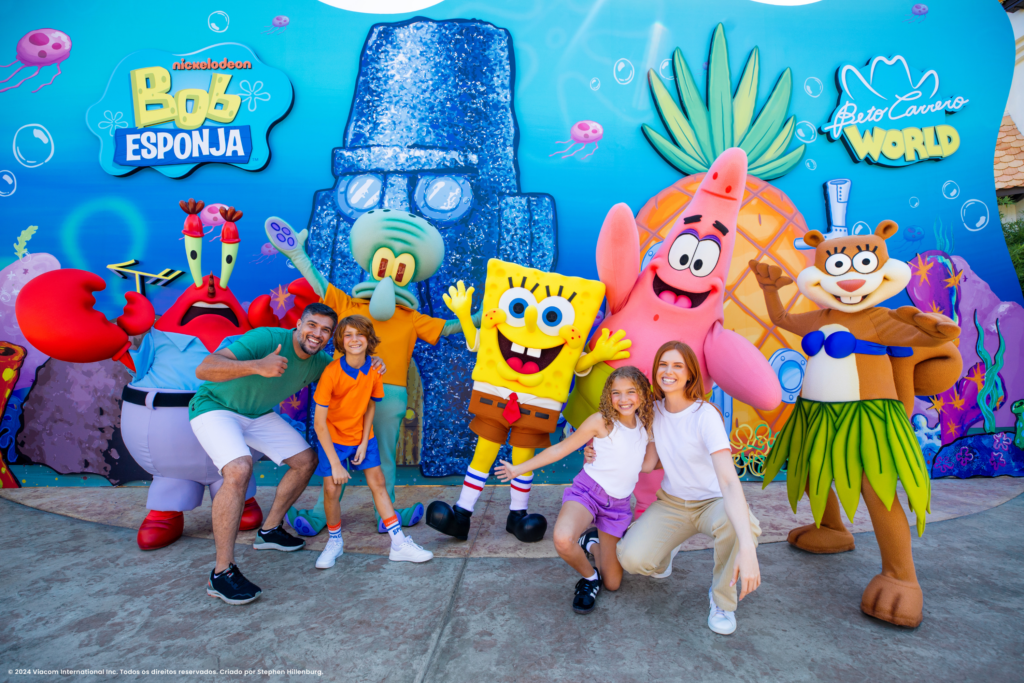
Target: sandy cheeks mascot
[(529, 345), (850, 424), (680, 296)]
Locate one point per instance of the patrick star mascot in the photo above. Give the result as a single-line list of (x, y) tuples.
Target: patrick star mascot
[(678, 296)]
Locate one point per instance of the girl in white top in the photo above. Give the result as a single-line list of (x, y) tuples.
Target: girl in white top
[(701, 492), (599, 495)]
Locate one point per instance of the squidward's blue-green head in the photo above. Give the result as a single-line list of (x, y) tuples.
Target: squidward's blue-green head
[(396, 248)]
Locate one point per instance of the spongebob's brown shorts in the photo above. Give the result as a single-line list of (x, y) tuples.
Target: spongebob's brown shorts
[(531, 430)]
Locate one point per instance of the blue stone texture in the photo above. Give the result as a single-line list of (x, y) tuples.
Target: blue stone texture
[(435, 98)]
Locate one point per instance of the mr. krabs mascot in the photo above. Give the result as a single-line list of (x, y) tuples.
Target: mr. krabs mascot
[(55, 311)]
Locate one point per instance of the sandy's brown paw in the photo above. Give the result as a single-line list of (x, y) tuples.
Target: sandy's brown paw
[(821, 541), (892, 600), (768, 275)]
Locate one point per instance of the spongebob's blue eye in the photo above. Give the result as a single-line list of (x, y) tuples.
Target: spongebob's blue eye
[(551, 316), (514, 302)]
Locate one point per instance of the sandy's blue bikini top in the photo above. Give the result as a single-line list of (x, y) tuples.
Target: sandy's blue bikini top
[(842, 344)]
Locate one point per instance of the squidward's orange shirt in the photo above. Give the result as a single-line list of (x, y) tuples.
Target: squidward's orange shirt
[(397, 336), (346, 392)]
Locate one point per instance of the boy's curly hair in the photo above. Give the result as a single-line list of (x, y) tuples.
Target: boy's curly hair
[(644, 412), (361, 325)]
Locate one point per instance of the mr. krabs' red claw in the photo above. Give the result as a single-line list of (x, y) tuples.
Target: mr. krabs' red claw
[(55, 312)]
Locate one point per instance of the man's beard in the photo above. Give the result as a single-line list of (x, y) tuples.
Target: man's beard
[(303, 344)]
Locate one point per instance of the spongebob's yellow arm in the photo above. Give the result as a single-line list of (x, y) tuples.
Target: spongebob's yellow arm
[(607, 347), (460, 301)]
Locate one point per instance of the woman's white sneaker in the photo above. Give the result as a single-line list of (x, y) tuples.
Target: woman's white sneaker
[(720, 621), (408, 551), (334, 549), (668, 572)]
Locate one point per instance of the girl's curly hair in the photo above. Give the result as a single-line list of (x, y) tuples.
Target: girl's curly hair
[(644, 412)]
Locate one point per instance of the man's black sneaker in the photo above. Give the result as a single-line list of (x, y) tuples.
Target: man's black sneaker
[(586, 538), (277, 539), (586, 595), (232, 587)]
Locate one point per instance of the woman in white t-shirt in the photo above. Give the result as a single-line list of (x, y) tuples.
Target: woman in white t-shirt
[(701, 492)]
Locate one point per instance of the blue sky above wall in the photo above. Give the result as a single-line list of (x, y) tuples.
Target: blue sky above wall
[(568, 69)]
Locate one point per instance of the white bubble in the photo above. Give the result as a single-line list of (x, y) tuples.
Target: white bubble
[(813, 87), (950, 190), (8, 183), (811, 164), (666, 70), (218, 22), (974, 214), (860, 228), (623, 71), (33, 145), (595, 83), (914, 202), (806, 132)]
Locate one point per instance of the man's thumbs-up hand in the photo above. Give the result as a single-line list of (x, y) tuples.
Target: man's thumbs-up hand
[(273, 365)]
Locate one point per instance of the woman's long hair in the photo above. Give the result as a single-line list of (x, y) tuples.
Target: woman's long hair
[(694, 389), (644, 411)]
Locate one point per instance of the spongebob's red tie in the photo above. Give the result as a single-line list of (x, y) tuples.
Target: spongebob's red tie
[(511, 410)]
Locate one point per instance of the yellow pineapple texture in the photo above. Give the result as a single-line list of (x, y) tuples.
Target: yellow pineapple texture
[(767, 226)]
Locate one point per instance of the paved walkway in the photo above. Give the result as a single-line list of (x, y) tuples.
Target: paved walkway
[(80, 595)]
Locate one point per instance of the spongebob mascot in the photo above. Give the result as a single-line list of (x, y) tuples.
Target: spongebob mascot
[(529, 344)]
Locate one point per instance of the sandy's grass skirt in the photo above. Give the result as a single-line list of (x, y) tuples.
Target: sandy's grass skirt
[(823, 442)]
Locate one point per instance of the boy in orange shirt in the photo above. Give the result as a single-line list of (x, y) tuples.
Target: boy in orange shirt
[(345, 401)]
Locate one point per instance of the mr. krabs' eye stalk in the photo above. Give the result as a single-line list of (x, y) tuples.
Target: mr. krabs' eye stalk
[(229, 243), (193, 238)]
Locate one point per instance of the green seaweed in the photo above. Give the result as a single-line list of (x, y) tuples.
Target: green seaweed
[(992, 393), (943, 236), (19, 247), (1018, 409)]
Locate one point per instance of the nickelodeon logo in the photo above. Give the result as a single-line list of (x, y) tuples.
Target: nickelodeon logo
[(209, 64)]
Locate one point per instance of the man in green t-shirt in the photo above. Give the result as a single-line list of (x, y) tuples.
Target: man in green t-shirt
[(233, 410)]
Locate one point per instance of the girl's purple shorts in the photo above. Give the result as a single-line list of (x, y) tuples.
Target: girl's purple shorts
[(611, 515)]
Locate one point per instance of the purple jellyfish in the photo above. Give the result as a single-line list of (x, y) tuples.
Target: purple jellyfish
[(267, 253), (583, 133), (278, 25), (917, 13), (211, 220), (40, 48)]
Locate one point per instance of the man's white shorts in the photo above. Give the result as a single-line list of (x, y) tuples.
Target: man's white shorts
[(226, 435)]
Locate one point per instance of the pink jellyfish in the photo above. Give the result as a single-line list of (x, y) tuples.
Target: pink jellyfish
[(267, 252), (917, 14), (583, 133), (278, 25), (40, 48)]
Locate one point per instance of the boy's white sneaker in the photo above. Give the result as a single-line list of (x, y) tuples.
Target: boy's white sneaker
[(408, 551), (668, 572), (720, 621), (334, 549)]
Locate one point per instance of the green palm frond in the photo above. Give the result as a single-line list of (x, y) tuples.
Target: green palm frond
[(701, 129)]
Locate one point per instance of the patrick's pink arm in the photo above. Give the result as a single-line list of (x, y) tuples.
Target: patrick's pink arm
[(618, 255), (740, 369)]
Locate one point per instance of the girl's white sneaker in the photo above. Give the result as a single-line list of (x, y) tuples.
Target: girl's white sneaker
[(408, 551), (333, 550), (720, 621)]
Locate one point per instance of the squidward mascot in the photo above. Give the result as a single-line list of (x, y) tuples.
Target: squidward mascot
[(396, 249)]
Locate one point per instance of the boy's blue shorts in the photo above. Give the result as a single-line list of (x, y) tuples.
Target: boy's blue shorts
[(345, 454)]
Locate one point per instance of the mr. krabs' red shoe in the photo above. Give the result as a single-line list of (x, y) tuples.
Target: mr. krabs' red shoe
[(160, 529), (252, 516)]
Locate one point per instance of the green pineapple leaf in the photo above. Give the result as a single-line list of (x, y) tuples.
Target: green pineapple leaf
[(745, 101), (769, 121), (672, 154), (693, 105), (674, 120), (701, 130), (719, 93), (20, 246)]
